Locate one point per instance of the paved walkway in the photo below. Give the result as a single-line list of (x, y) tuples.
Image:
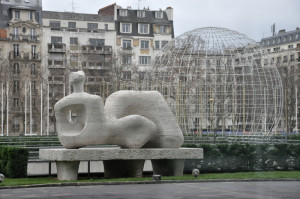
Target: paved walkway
[(269, 189)]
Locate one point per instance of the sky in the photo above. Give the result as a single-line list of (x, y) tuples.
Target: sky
[(253, 18)]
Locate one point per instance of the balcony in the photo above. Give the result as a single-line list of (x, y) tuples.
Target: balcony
[(128, 50), (21, 37), (97, 49), (56, 80), (56, 63), (56, 48), (13, 55)]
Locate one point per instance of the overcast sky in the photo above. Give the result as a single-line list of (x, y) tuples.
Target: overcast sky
[(251, 17)]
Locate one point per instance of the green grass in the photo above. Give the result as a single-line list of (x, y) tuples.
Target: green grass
[(208, 176)]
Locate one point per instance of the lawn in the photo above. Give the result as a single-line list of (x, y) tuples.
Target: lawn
[(209, 176)]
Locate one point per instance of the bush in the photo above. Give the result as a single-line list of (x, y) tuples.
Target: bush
[(246, 157), (14, 161)]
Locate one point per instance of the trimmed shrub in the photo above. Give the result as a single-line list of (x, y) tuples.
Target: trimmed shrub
[(14, 162)]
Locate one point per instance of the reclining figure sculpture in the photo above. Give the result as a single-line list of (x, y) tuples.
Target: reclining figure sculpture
[(130, 119)]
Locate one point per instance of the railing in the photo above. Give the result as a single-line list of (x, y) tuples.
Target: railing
[(56, 48), (24, 56)]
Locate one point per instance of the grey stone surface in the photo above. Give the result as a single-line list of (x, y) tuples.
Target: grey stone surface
[(67, 170), (119, 154)]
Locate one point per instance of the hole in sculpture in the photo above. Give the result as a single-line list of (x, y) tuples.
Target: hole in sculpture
[(72, 117)]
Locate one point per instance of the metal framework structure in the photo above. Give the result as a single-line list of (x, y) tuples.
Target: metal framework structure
[(215, 83)]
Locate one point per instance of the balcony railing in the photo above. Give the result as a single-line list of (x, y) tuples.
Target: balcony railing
[(56, 63), (23, 56), (97, 49), (56, 48)]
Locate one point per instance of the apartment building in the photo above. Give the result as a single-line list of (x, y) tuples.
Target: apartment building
[(20, 61), (283, 50), (140, 36)]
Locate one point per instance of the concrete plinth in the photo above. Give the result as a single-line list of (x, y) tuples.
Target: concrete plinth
[(123, 168), (67, 170), (121, 162)]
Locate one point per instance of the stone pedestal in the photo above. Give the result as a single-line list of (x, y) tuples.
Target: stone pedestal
[(123, 168), (67, 170), (168, 167), (119, 163)]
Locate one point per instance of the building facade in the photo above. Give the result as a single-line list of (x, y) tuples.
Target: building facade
[(20, 60), (283, 50)]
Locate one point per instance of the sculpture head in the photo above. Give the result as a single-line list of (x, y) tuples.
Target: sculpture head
[(77, 80)]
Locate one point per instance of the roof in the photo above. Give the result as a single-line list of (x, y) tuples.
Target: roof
[(149, 17), (282, 38), (76, 16)]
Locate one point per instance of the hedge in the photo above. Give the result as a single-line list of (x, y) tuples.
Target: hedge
[(245, 157), (13, 161)]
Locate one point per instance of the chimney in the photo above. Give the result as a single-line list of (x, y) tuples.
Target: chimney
[(281, 31), (108, 10), (169, 12)]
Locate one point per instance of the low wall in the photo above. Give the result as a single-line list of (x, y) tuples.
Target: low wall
[(41, 167)]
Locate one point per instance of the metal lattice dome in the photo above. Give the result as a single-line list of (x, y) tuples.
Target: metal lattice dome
[(214, 80)]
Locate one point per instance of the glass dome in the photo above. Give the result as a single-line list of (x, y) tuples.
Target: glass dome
[(215, 82)]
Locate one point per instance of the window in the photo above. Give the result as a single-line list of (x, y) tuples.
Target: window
[(144, 60), (33, 103), (141, 13), (278, 59), (285, 58), (276, 49), (290, 46), (144, 29), (16, 33), (105, 26), (29, 15), (268, 50), (126, 75), (92, 26), (159, 15), (73, 40), (229, 62), (162, 29), (33, 86), (144, 44), (297, 35), (218, 62), (55, 24), (157, 45), (56, 40), (33, 69), (126, 28), (164, 43), (72, 25), (74, 57), (33, 34), (16, 50), (33, 52), (16, 69), (16, 102), (292, 57), (16, 86), (17, 14), (97, 42), (142, 75), (123, 13), (15, 125), (126, 44), (266, 61), (127, 59)]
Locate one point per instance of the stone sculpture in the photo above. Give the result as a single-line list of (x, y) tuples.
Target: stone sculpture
[(130, 119)]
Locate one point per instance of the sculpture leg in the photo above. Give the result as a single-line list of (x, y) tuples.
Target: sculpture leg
[(168, 167), (67, 170), (123, 168)]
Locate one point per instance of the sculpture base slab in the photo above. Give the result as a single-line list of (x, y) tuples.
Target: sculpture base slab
[(121, 162)]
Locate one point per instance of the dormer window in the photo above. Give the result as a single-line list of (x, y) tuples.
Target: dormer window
[(159, 14), (29, 15), (17, 14), (141, 13), (123, 13)]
